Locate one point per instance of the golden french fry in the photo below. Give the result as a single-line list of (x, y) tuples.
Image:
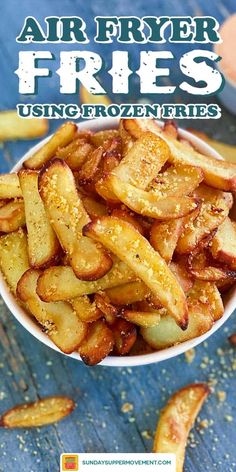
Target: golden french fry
[(3, 203), (214, 209), (91, 166), (164, 236), (43, 246), (223, 245), (227, 151), (148, 204), (110, 159), (13, 257), (202, 268), (75, 153), (13, 126), (108, 310), (67, 216), (98, 343), (59, 320), (128, 293), (62, 137), (125, 335), (10, 186), (170, 128), (218, 174), (128, 244), (87, 97), (60, 283), (143, 161), (40, 413), (12, 216), (177, 181), (130, 218), (167, 333), (142, 318), (126, 139), (207, 292), (86, 310), (93, 207), (177, 419), (102, 137), (182, 275)]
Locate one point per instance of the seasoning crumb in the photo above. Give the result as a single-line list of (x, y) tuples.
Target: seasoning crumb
[(190, 355), (127, 407), (232, 339), (146, 435), (228, 418), (221, 395), (204, 424)]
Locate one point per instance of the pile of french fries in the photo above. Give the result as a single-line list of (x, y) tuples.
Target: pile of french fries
[(119, 241)]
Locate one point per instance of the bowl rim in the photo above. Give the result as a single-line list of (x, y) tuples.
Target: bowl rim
[(115, 361)]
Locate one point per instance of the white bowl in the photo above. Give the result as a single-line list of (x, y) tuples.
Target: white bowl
[(114, 361)]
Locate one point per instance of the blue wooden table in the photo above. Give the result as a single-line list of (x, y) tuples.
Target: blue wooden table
[(29, 370)]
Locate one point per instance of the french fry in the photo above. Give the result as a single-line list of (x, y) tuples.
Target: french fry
[(126, 139), (127, 243), (177, 181), (67, 216), (13, 257), (93, 207), (201, 267), (13, 126), (40, 413), (98, 343), (60, 283), (142, 318), (75, 153), (207, 292), (227, 151), (103, 303), (58, 320), (63, 136), (180, 272), (125, 335), (111, 158), (130, 218), (101, 138), (148, 305), (3, 203), (218, 174), (10, 186), (177, 419), (171, 129), (91, 166), (214, 209), (86, 310), (223, 245), (143, 161), (148, 204), (164, 237), (43, 246), (167, 333), (129, 293), (12, 216)]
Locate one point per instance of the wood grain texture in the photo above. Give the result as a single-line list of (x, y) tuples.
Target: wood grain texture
[(29, 370)]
